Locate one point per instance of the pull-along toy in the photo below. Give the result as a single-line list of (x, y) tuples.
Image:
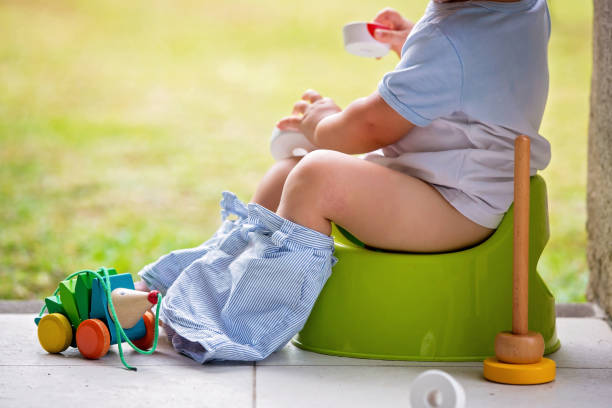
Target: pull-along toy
[(91, 310)]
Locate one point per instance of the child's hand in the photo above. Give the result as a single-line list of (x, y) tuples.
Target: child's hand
[(398, 32), (313, 108)]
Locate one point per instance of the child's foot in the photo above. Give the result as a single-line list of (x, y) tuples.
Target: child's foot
[(141, 285)]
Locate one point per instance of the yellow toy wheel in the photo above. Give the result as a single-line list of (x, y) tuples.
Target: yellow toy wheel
[(54, 333)]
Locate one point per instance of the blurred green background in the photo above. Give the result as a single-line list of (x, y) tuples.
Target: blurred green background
[(122, 122)]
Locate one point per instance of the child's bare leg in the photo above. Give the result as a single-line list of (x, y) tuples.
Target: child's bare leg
[(384, 208), (270, 187)]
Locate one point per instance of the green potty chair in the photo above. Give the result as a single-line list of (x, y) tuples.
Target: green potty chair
[(433, 307)]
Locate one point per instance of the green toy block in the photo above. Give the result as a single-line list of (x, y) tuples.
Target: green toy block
[(54, 305), (88, 277), (111, 272), (68, 299), (83, 295)]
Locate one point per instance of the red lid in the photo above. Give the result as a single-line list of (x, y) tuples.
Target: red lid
[(373, 26)]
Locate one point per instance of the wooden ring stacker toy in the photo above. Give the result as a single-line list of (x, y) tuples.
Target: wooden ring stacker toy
[(518, 354)]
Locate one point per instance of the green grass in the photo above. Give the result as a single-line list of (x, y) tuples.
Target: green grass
[(122, 122)]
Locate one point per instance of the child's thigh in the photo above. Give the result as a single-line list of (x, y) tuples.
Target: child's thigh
[(388, 209)]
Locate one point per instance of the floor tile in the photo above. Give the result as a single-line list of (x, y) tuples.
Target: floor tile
[(153, 386), (359, 386), (290, 377), (292, 355), (21, 347), (585, 343)]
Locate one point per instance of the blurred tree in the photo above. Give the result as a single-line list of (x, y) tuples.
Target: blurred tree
[(599, 183)]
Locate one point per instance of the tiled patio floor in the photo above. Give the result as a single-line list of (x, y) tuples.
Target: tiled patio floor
[(289, 378)]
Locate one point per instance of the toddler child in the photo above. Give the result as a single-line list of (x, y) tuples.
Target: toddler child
[(436, 175)]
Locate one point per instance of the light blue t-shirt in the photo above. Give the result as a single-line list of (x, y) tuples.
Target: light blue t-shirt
[(472, 76)]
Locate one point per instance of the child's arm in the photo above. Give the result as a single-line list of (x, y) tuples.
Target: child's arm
[(365, 125)]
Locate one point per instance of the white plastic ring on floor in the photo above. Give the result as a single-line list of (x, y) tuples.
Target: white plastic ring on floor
[(436, 389), (287, 143)]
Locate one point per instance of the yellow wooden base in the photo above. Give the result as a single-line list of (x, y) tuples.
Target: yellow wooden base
[(536, 373)]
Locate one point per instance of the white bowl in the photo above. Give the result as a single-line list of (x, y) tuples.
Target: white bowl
[(359, 40)]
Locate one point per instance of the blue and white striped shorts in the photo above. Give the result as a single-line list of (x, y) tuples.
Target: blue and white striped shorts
[(245, 292), (161, 274)]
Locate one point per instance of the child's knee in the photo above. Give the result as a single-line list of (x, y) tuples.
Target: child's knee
[(315, 182), (282, 168), (315, 168)]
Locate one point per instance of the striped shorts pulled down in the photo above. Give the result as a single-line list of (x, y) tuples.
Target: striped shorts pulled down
[(245, 292), (161, 274)]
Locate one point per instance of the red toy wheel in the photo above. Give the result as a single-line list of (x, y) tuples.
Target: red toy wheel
[(93, 339), (146, 341)]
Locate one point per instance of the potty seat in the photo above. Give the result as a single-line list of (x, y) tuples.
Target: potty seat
[(431, 307)]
